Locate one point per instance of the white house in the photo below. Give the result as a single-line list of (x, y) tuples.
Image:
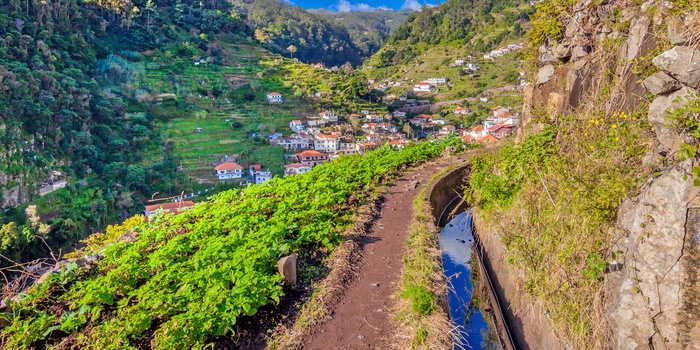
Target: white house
[(435, 81), (296, 125), (228, 170), (399, 114), (274, 97), (263, 176), (294, 142), (422, 87), (329, 116), (325, 143), (459, 61), (472, 67), (296, 169), (461, 111), (315, 121), (373, 118)]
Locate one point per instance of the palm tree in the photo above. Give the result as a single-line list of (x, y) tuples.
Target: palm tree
[(292, 49)]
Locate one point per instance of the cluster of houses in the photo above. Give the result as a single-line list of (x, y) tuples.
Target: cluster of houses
[(321, 138), (230, 170), (503, 50), (495, 127)]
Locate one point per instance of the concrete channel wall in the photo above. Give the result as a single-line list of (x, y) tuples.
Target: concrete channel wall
[(516, 318)]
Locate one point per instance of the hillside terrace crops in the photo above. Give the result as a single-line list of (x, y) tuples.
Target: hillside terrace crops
[(189, 278)]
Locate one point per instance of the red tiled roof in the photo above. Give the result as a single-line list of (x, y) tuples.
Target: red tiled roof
[(273, 94), (466, 139), (257, 167), (171, 207), (496, 108), (488, 138), (310, 153), (495, 128), (478, 128), (228, 166)]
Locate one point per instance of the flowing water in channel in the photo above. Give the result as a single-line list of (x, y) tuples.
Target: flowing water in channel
[(467, 296)]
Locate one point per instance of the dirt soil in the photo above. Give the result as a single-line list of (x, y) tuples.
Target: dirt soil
[(361, 320)]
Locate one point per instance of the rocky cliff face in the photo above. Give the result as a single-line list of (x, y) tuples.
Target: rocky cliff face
[(653, 285)]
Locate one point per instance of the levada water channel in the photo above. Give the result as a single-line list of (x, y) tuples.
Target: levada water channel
[(468, 293)]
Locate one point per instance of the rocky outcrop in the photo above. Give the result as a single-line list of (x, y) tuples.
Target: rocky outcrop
[(681, 62), (648, 295), (652, 289), (654, 299)]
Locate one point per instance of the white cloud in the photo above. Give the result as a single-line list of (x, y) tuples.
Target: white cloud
[(414, 5), (346, 6)]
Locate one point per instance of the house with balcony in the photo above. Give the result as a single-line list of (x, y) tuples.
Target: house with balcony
[(311, 157), (228, 170)]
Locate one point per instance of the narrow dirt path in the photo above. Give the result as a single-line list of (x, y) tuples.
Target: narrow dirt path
[(361, 318)]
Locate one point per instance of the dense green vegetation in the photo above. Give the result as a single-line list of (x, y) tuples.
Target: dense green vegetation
[(368, 30), (314, 39), (66, 105), (478, 25), (190, 277)]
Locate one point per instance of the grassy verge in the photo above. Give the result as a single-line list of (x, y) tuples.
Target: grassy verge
[(553, 199)]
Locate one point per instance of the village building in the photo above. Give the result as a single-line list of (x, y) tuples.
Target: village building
[(447, 129), (262, 176), (294, 142), (296, 169), (311, 157), (501, 130), (274, 97), (488, 139), (315, 121), (399, 115), (296, 125), (461, 111), (459, 61), (254, 168), (325, 143), (364, 147), (329, 116), (423, 86), (477, 132), (373, 118), (472, 67), (171, 207), (436, 81), (228, 170)]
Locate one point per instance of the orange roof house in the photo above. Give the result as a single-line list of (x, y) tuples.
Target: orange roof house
[(171, 207)]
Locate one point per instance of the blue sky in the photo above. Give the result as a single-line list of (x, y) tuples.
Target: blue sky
[(364, 5)]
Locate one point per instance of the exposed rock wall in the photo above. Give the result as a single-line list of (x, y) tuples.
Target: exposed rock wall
[(653, 287), (654, 299)]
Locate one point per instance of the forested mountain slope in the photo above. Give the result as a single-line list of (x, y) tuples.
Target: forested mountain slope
[(478, 25), (315, 39), (368, 30)]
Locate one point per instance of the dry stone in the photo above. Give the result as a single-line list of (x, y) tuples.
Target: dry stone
[(287, 267), (677, 31), (682, 63), (663, 103), (545, 74), (646, 298), (661, 83), (562, 52), (638, 32)]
